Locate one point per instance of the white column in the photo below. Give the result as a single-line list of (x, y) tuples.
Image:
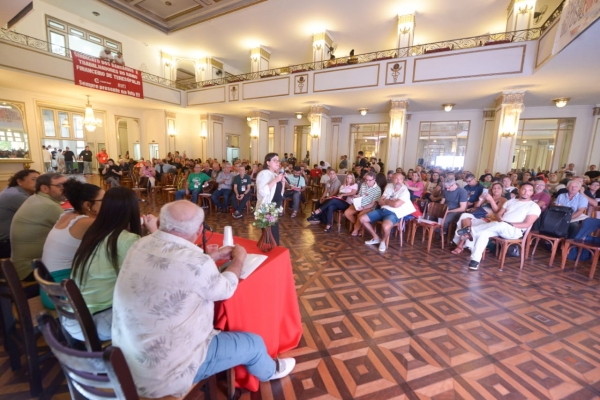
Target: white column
[(211, 125), (334, 146), (258, 121), (520, 15), (320, 125), (593, 157), (259, 58), (488, 142), (321, 43), (397, 133), (406, 30), (509, 107), (203, 136), (281, 136)]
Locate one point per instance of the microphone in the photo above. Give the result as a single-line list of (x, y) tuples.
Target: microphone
[(207, 227)]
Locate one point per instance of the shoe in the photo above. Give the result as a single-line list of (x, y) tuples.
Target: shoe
[(283, 368), (294, 214), (328, 228), (382, 247), (473, 265), (237, 215), (373, 241)]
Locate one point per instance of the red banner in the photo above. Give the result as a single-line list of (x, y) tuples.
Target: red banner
[(103, 75)]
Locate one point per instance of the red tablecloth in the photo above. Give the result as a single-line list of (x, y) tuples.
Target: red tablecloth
[(265, 304)]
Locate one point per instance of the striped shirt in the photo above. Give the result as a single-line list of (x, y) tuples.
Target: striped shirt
[(369, 194)]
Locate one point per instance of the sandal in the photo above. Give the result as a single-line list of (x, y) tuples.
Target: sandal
[(354, 234), (328, 228), (457, 250)]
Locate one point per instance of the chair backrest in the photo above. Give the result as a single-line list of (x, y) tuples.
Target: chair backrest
[(11, 289), (90, 375), (69, 303), (435, 211)]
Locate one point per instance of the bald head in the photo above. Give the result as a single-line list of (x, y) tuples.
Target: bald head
[(182, 218)]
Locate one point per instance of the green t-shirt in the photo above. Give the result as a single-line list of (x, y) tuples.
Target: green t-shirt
[(195, 181), (242, 183)]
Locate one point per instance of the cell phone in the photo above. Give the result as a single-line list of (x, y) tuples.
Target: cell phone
[(485, 190)]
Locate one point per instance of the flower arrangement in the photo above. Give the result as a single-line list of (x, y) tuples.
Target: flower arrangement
[(267, 215)]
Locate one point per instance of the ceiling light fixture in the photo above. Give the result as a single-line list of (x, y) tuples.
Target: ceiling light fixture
[(561, 101), (299, 115), (448, 107), (90, 121), (363, 111)]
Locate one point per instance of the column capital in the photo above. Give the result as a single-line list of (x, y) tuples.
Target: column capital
[(322, 38), (336, 120), (319, 109), (260, 52), (489, 113), (401, 104), (283, 122), (596, 111), (259, 114), (510, 98)]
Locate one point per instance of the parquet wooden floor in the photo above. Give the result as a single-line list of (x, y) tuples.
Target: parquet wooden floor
[(417, 325)]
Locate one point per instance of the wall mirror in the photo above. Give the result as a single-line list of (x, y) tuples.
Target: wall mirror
[(14, 138), (128, 133), (543, 143), (302, 143), (371, 139), (185, 73), (443, 144)]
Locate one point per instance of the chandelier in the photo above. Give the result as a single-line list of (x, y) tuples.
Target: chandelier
[(90, 121)]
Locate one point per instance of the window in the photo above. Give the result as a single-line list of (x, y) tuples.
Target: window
[(63, 35), (443, 144), (49, 128), (537, 140)]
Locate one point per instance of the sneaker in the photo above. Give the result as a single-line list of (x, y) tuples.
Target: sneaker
[(283, 368), (463, 231), (473, 265), (373, 241), (294, 214), (382, 246), (237, 214)]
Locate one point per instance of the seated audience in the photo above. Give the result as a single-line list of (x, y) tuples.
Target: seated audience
[(100, 255), (341, 202), (455, 198), (225, 180), (592, 172), (576, 200), (540, 196), (485, 208), (194, 184), (242, 184), (34, 220), (149, 172), (592, 193), (369, 193), (64, 238), (395, 204), (331, 187), (112, 173), (473, 188), (295, 185), (415, 186), (510, 192), (20, 186), (487, 180), (513, 220), (173, 344)]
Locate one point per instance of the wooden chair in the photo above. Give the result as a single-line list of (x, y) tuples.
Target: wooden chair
[(539, 237), (429, 223), (502, 245), (396, 229), (20, 326), (581, 244), (135, 178), (69, 304)]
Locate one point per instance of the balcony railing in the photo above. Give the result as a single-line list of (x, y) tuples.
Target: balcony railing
[(65, 53), (449, 45)]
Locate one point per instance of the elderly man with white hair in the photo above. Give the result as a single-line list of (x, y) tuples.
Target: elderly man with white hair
[(164, 304), (576, 201)]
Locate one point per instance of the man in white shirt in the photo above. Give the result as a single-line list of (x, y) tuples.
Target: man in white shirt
[(514, 218), (47, 156), (164, 304), (395, 204), (106, 55)]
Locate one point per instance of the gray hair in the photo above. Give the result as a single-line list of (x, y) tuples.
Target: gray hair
[(187, 228), (449, 181)]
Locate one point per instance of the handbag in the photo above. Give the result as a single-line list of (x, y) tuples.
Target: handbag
[(210, 187), (479, 212), (418, 213)]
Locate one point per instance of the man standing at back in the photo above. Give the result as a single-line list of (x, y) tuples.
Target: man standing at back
[(47, 156), (69, 158), (86, 156), (163, 310), (34, 220)]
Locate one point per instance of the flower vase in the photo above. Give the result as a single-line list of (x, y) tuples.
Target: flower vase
[(266, 242)]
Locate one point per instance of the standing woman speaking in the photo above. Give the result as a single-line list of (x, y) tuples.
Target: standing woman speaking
[(269, 187)]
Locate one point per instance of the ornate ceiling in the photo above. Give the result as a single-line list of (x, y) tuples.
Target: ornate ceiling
[(173, 15)]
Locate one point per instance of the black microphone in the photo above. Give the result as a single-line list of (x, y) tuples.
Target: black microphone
[(207, 227)]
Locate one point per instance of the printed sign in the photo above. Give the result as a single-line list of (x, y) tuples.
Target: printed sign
[(106, 76)]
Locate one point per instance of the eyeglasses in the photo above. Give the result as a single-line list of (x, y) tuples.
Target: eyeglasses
[(60, 185), (369, 180)]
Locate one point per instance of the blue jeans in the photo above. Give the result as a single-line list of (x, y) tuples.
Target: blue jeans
[(295, 196), (229, 349), (221, 192), (238, 205), (69, 166), (181, 192), (331, 206)]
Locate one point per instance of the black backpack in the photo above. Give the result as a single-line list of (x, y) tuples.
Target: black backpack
[(555, 221)]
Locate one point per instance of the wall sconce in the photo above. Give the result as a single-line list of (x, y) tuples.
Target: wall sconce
[(299, 115), (561, 101), (397, 116), (253, 124), (315, 126), (507, 134), (203, 133), (448, 107), (363, 111), (510, 120), (525, 9), (167, 63), (172, 132)]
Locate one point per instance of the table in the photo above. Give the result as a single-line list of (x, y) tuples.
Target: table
[(266, 304)]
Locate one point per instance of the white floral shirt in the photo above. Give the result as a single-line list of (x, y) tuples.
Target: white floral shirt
[(163, 310)]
